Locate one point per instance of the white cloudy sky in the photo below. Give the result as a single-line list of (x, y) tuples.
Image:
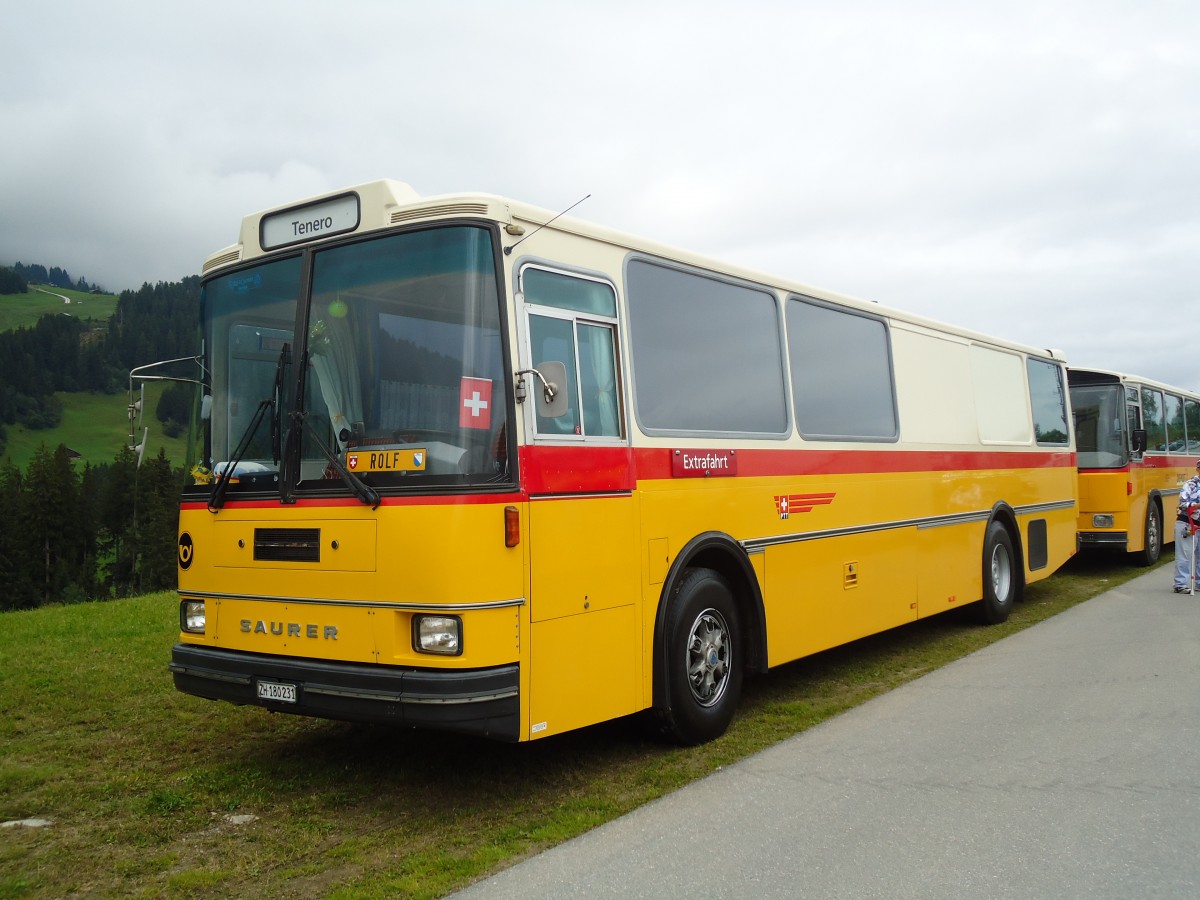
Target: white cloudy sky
[(1025, 168)]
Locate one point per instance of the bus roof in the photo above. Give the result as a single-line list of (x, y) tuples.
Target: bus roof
[(386, 203), (1086, 375)]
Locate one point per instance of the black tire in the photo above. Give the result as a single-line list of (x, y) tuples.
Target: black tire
[(1153, 544), (703, 659), (1002, 576)]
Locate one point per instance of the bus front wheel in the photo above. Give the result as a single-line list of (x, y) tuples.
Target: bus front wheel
[(1001, 579), (702, 659), (1152, 547)]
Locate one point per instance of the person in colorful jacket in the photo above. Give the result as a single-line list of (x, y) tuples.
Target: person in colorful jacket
[(1189, 506)]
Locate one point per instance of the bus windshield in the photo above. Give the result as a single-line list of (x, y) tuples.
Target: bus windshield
[(401, 380), (1099, 412)]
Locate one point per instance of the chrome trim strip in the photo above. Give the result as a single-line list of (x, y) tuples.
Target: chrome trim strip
[(365, 604), (757, 544), (392, 698), (954, 519), (586, 495), (1044, 507)]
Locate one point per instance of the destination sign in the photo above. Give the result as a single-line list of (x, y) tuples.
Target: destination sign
[(387, 460), (703, 463), (309, 222)]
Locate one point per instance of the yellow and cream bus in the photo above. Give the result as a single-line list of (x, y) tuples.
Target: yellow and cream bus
[(461, 463), (1138, 443)]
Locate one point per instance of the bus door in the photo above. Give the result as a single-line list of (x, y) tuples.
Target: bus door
[(584, 608), (1136, 487)]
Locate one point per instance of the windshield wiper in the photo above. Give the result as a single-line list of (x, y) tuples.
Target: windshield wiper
[(217, 498), (364, 492)]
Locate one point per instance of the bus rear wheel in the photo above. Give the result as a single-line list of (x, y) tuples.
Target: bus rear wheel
[(1001, 577), (703, 664)]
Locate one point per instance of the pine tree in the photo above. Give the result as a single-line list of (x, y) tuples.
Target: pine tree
[(158, 491), (50, 520), (18, 590), (115, 520), (11, 282), (87, 576)]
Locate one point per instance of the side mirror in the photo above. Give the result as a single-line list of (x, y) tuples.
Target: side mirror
[(1139, 440), (552, 398)]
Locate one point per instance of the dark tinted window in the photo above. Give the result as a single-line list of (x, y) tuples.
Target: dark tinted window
[(1049, 402), (1191, 414), (1176, 442), (707, 354), (841, 373)]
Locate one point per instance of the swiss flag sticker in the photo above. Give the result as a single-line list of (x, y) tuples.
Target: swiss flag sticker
[(475, 403)]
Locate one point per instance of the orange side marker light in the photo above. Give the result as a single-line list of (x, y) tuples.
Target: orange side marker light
[(512, 526)]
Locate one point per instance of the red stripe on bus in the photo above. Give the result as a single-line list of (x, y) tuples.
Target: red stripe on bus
[(579, 470), (778, 463), (1150, 462), (343, 502), (1165, 462), (584, 470), (552, 470)]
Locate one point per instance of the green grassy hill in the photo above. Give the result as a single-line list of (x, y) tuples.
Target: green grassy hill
[(96, 426), (18, 310)]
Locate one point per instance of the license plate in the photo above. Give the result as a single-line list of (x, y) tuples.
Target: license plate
[(387, 460), (274, 690)]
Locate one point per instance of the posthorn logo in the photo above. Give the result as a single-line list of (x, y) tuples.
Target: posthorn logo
[(186, 550)]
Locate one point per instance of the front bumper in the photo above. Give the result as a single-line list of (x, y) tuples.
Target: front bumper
[(484, 702), (1107, 540)]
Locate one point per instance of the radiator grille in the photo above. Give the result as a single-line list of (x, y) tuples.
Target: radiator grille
[(287, 544)]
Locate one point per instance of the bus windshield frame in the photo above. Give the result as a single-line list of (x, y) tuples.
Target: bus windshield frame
[(381, 361), (1099, 412)]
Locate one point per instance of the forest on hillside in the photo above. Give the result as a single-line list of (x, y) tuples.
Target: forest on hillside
[(68, 536), (20, 276), (67, 353), (108, 530)]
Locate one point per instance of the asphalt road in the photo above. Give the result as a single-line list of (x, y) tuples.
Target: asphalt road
[(1061, 762)]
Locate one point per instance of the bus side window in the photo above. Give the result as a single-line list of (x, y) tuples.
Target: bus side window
[(1176, 440), (1133, 414), (1191, 416), (598, 379), (575, 323), (551, 339), (1152, 420), (1048, 400)]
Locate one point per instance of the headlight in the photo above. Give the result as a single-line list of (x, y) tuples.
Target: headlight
[(1102, 521), (438, 634), (191, 616)]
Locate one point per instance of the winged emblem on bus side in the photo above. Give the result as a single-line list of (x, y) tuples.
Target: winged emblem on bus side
[(786, 504)]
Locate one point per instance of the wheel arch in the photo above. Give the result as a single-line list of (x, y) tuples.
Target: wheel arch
[(1007, 517), (717, 551)]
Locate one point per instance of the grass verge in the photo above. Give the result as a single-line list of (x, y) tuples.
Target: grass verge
[(152, 793)]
